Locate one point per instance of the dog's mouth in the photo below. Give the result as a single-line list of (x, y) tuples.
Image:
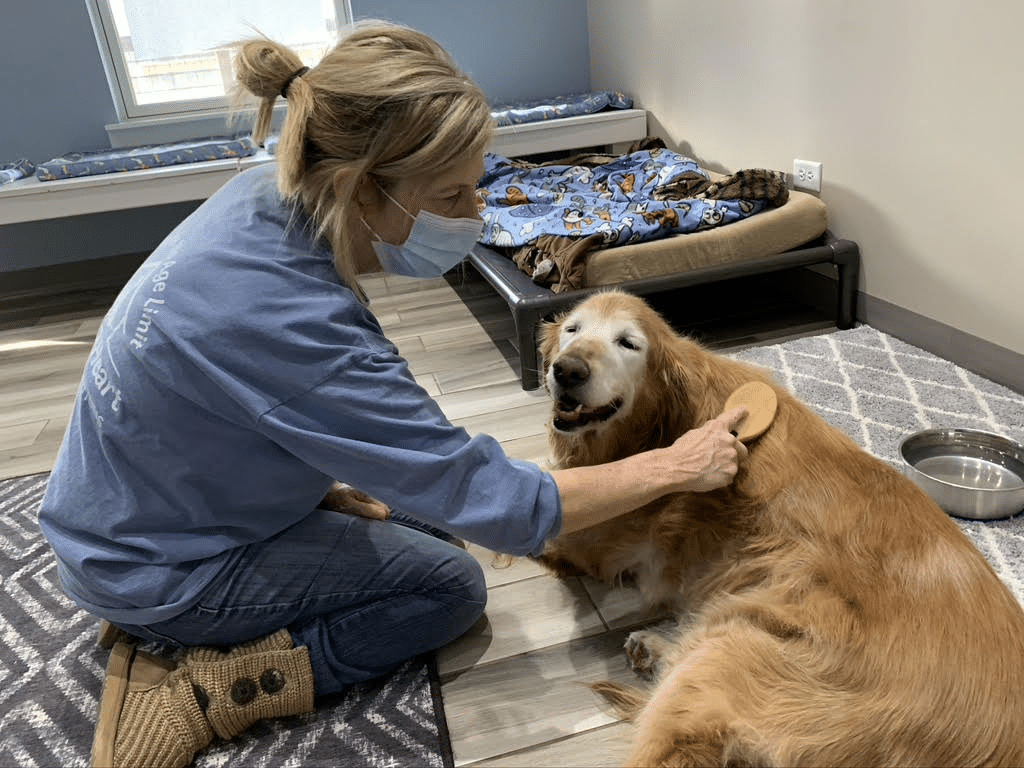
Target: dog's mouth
[(571, 414)]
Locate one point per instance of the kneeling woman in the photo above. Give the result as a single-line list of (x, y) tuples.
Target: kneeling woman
[(240, 372)]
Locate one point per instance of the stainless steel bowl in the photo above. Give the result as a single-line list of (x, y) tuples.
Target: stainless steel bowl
[(968, 473)]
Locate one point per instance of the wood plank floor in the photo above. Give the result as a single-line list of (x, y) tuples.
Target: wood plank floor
[(513, 686)]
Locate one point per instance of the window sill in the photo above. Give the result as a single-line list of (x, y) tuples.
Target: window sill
[(168, 129)]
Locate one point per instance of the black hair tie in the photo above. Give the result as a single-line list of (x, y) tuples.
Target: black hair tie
[(287, 83)]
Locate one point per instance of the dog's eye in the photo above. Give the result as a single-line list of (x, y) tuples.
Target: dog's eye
[(569, 329), (626, 343)]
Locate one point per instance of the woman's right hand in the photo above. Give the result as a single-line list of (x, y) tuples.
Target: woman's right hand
[(710, 455), (703, 459)]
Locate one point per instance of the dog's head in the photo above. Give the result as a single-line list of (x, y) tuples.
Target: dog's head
[(595, 358), (610, 360)]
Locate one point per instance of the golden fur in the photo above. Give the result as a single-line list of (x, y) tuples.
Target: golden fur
[(830, 612)]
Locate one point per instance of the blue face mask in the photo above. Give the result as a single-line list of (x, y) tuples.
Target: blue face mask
[(435, 244)]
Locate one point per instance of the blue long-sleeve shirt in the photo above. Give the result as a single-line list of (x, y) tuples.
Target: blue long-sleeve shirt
[(231, 382)]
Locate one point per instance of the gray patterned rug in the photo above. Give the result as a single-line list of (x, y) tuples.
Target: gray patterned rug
[(51, 674), (878, 389)]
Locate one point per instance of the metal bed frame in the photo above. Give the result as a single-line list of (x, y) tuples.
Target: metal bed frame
[(531, 304)]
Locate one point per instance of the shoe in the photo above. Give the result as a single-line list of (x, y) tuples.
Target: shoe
[(149, 715), (155, 713), (243, 689), (109, 634)]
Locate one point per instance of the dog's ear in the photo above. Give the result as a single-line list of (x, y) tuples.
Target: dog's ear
[(674, 363), (548, 343)]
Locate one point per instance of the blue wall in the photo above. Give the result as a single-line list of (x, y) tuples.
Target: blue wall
[(56, 97), (515, 49), (55, 94)]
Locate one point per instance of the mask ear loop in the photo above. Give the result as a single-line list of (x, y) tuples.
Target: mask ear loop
[(362, 207), (401, 207), (389, 197), (368, 227)]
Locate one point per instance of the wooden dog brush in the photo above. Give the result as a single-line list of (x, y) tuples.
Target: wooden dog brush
[(761, 403)]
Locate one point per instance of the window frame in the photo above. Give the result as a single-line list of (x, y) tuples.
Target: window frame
[(168, 120)]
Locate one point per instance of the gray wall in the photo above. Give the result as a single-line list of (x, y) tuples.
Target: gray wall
[(56, 104)]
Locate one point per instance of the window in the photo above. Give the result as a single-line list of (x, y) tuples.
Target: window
[(167, 60)]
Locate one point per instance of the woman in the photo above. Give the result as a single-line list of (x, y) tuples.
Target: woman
[(239, 373)]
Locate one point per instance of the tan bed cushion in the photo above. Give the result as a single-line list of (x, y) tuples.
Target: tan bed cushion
[(803, 218)]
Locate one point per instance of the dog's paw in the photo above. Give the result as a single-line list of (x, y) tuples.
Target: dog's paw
[(646, 649), (642, 652), (559, 566)]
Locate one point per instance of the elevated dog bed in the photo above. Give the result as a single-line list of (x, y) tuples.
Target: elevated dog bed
[(778, 229)]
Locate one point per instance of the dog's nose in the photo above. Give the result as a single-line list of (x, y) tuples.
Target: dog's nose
[(570, 371)]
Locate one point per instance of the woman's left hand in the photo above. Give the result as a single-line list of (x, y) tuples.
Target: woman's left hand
[(345, 498)]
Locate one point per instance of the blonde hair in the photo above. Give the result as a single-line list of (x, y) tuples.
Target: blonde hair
[(386, 102)]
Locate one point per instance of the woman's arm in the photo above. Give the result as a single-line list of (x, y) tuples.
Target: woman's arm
[(700, 460)]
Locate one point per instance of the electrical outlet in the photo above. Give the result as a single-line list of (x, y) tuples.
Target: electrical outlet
[(807, 175)]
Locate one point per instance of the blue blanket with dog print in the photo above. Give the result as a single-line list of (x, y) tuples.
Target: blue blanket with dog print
[(626, 200), (548, 217)]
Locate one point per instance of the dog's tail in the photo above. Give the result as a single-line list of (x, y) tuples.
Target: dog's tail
[(627, 702)]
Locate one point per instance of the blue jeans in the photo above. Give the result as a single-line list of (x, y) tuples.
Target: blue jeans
[(362, 595)]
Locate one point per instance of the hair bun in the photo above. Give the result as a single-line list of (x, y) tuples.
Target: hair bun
[(264, 68)]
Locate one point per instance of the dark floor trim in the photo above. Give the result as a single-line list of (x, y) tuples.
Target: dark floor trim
[(996, 363), (54, 279), (999, 364)]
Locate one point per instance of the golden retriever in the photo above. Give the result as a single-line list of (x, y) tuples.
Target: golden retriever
[(830, 613)]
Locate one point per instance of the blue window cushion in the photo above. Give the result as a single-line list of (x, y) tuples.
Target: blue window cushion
[(19, 169), (78, 164), (568, 105)]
